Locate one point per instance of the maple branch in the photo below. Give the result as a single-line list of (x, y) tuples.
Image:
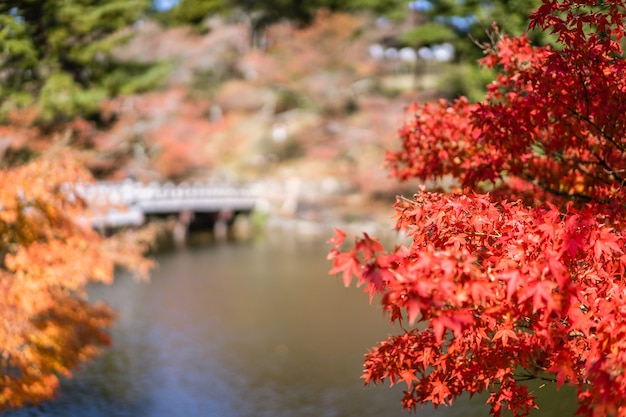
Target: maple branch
[(584, 84), (606, 166), (403, 198), (494, 235), (541, 184), (600, 160), (494, 35), (598, 129), (594, 176), (530, 375), (579, 164)]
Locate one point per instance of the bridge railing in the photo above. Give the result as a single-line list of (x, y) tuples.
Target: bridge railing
[(132, 193), (124, 203)]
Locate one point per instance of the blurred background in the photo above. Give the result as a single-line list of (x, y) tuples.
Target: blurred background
[(298, 100)]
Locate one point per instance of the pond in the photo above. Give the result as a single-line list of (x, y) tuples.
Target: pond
[(254, 329)]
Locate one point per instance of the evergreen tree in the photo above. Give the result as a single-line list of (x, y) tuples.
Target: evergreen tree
[(58, 55), (263, 13), (467, 25), (190, 12), (472, 20)]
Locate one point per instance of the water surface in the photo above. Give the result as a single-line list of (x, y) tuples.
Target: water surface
[(231, 330)]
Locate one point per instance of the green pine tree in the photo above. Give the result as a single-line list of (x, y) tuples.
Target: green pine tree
[(465, 24), (472, 21), (58, 55)]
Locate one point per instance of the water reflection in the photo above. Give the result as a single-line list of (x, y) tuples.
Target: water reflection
[(239, 330)]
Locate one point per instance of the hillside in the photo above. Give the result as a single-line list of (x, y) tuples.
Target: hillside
[(310, 110)]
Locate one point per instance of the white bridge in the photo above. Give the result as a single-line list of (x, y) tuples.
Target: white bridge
[(130, 203)]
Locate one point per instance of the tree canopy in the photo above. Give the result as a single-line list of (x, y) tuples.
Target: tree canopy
[(473, 19), (516, 274), (58, 55), (48, 254), (193, 13), (263, 13)]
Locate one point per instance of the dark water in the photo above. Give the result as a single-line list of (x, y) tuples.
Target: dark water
[(258, 329)]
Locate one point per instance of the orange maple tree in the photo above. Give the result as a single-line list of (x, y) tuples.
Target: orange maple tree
[(48, 254), (525, 281)]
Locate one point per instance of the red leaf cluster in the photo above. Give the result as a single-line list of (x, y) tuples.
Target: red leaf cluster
[(525, 282)]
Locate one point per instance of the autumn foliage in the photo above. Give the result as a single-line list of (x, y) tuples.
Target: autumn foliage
[(48, 254), (519, 273)]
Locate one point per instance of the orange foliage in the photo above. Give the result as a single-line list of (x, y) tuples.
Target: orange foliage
[(327, 43), (159, 135), (321, 61), (19, 132), (47, 257)]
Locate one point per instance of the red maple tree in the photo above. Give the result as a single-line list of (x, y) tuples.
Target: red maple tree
[(518, 274)]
